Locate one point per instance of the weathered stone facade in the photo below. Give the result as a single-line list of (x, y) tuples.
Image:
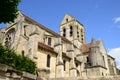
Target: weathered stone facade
[(8, 73), (58, 55)]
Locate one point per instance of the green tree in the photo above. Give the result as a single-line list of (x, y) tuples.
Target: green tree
[(19, 62), (8, 10)]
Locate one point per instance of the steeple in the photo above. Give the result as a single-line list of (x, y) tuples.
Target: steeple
[(96, 58), (93, 42), (73, 30)]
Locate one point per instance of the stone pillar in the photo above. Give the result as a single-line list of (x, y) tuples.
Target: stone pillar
[(59, 63), (70, 51), (115, 72), (73, 71), (67, 31), (74, 32)]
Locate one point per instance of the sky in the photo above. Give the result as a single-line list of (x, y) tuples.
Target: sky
[(101, 18)]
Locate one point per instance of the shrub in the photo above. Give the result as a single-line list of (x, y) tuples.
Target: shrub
[(19, 62)]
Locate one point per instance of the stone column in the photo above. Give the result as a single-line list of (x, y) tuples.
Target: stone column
[(73, 71), (74, 32), (59, 63), (67, 31), (70, 51)]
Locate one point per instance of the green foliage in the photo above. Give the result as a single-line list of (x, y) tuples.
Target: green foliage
[(19, 62), (8, 10)]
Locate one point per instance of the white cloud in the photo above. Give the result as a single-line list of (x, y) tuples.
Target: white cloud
[(116, 20), (115, 52)]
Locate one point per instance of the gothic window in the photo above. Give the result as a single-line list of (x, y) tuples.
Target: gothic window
[(49, 41), (87, 59), (76, 64), (104, 60), (64, 32), (71, 31), (102, 74), (23, 53), (82, 35), (77, 34), (82, 40), (9, 38), (66, 19), (25, 30), (64, 62), (48, 60)]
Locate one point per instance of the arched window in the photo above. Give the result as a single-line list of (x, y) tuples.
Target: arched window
[(87, 59), (25, 30), (77, 34), (71, 31), (102, 74), (64, 32), (76, 64), (64, 64), (49, 41), (9, 38), (23, 53), (82, 40), (48, 60), (66, 19)]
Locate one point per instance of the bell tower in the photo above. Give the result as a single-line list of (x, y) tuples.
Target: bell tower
[(73, 30)]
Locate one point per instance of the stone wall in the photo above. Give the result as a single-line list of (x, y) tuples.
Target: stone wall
[(86, 78), (117, 77), (8, 73), (96, 71)]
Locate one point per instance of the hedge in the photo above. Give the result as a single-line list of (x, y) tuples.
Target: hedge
[(16, 61)]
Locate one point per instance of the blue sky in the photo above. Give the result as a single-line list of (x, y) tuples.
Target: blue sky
[(101, 18)]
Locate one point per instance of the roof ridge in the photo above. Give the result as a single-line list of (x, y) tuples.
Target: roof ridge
[(47, 29)]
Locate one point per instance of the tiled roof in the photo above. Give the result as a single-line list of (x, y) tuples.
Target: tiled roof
[(85, 48), (46, 47)]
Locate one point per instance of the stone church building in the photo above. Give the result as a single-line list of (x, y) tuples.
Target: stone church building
[(58, 55)]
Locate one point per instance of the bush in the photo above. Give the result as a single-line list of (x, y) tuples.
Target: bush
[(19, 62)]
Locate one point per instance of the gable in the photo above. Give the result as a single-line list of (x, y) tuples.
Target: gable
[(66, 19)]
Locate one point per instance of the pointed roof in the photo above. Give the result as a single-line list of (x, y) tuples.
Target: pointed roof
[(67, 18), (93, 42), (85, 48)]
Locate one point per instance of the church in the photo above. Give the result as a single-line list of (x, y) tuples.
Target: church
[(58, 55)]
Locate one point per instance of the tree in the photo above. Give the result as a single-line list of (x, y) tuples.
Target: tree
[(16, 61), (8, 10)]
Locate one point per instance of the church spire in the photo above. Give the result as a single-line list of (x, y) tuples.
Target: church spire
[(93, 42)]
